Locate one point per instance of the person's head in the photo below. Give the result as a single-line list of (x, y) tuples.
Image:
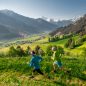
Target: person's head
[(54, 48), (32, 52)]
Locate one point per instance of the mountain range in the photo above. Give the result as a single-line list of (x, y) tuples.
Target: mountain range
[(77, 27), (14, 25)]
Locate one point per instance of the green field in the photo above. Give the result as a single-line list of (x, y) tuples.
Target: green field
[(15, 71)]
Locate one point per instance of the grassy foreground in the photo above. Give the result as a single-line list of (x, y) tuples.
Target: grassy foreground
[(15, 72)]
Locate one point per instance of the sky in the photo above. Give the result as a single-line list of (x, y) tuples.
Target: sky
[(57, 9)]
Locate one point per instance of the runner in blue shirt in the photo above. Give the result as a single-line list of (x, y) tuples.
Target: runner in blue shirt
[(35, 63)]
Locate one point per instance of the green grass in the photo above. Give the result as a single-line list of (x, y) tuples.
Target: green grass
[(43, 43), (15, 72)]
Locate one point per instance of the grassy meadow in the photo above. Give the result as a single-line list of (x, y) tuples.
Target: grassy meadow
[(15, 71)]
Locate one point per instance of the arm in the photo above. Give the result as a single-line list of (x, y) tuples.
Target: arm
[(53, 56), (31, 62), (40, 58)]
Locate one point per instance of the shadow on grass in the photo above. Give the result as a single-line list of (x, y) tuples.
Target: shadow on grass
[(59, 83), (82, 76)]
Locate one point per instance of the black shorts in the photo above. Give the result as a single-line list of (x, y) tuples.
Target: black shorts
[(38, 70)]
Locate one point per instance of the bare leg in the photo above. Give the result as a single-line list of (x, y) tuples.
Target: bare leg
[(54, 67), (61, 68)]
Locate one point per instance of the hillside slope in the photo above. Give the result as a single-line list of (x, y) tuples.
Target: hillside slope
[(20, 25), (77, 27)]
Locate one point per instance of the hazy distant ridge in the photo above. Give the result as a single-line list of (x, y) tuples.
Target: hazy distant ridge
[(13, 24)]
